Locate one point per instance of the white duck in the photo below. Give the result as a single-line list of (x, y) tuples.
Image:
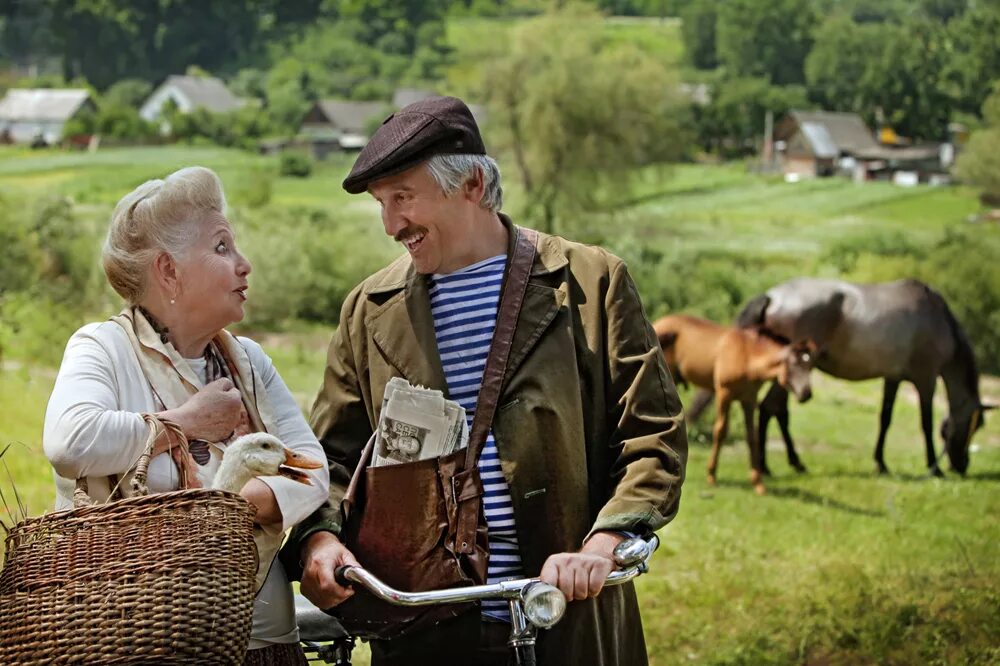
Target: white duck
[(260, 454)]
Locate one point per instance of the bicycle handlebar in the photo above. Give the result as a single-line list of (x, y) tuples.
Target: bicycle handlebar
[(631, 556)]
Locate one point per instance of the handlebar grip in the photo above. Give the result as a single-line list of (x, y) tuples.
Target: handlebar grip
[(340, 575)]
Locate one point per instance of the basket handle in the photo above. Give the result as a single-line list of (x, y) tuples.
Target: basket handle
[(158, 426)]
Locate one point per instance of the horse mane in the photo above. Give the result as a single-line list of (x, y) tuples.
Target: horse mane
[(752, 314), (964, 354)]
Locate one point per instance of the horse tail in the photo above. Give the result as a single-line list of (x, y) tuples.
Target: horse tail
[(965, 356), (752, 314)]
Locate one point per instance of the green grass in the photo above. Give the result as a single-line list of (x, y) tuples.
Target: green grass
[(722, 208), (836, 566), (23, 468), (833, 567)]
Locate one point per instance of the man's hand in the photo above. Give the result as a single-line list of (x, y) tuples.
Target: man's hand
[(210, 414), (322, 554), (581, 575)]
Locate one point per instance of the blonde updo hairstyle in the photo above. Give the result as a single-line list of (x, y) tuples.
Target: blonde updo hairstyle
[(158, 216)]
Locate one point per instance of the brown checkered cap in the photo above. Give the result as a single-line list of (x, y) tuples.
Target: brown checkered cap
[(432, 126)]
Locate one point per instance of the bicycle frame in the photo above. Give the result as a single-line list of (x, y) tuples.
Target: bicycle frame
[(631, 556)]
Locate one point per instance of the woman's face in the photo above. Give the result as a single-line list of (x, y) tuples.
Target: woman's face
[(212, 278)]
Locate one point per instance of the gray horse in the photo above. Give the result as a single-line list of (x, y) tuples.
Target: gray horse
[(899, 331)]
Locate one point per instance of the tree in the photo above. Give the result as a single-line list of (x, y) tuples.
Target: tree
[(392, 26), (905, 79), (127, 92), (975, 57), (733, 122), (107, 40), (839, 61), (768, 38), (698, 32), (577, 116), (896, 70), (979, 163)]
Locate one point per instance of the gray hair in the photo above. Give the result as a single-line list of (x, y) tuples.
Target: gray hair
[(158, 216), (452, 171)]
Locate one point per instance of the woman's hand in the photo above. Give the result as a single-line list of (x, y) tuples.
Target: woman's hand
[(211, 414)]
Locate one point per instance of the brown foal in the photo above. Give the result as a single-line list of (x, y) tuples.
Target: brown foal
[(734, 363)]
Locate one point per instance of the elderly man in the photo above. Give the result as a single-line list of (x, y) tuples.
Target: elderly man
[(587, 443)]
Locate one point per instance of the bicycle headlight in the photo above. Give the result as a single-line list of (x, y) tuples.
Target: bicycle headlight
[(543, 604)]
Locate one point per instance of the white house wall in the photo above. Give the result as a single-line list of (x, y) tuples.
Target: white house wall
[(153, 107), (25, 131)]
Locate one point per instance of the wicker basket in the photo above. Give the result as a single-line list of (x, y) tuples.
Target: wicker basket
[(157, 579)]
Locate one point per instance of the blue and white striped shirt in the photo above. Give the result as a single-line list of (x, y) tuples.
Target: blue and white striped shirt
[(464, 305)]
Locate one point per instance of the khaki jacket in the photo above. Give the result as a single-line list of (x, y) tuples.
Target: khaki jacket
[(588, 426)]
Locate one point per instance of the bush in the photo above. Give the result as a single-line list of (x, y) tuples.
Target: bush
[(123, 122), (306, 270), (979, 163), (127, 92), (963, 267), (711, 284), (254, 189), (296, 165)]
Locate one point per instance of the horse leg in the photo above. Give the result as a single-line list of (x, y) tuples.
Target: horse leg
[(888, 400), (764, 417), (756, 473), (926, 392), (776, 404), (719, 431)]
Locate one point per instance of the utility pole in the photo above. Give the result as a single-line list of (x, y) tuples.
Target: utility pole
[(768, 153)]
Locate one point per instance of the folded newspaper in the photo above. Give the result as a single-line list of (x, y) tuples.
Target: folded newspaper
[(417, 423)]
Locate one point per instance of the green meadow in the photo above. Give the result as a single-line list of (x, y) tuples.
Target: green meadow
[(835, 566)]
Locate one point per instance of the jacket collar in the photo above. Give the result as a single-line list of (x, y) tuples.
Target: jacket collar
[(403, 327)]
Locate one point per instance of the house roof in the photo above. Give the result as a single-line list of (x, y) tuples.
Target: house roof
[(832, 133), (46, 104), (350, 116), (205, 92), (819, 139), (405, 96), (847, 132)]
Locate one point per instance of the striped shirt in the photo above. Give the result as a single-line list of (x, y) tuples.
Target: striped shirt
[(464, 305)]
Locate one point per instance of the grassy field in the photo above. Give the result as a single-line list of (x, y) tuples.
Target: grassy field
[(833, 567)]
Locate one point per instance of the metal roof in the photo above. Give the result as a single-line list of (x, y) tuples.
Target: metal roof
[(42, 104)]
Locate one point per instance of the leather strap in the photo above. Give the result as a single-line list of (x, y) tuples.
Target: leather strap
[(511, 299)]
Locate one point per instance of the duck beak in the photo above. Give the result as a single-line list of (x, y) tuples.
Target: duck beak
[(295, 462)]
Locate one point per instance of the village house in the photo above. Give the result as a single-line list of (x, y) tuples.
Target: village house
[(39, 115), (333, 124), (188, 93), (822, 143)]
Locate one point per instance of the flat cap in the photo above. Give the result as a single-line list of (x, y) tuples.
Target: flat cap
[(432, 126)]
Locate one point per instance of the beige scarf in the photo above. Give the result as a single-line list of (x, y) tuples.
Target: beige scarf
[(174, 382)]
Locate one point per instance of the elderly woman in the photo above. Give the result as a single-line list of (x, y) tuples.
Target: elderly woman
[(171, 254)]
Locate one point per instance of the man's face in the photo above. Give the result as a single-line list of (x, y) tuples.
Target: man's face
[(431, 226)]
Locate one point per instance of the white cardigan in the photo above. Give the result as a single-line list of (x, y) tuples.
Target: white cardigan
[(93, 428)]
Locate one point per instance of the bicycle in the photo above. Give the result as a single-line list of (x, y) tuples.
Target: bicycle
[(533, 605)]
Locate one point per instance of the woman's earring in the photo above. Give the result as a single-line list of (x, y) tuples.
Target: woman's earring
[(172, 301)]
